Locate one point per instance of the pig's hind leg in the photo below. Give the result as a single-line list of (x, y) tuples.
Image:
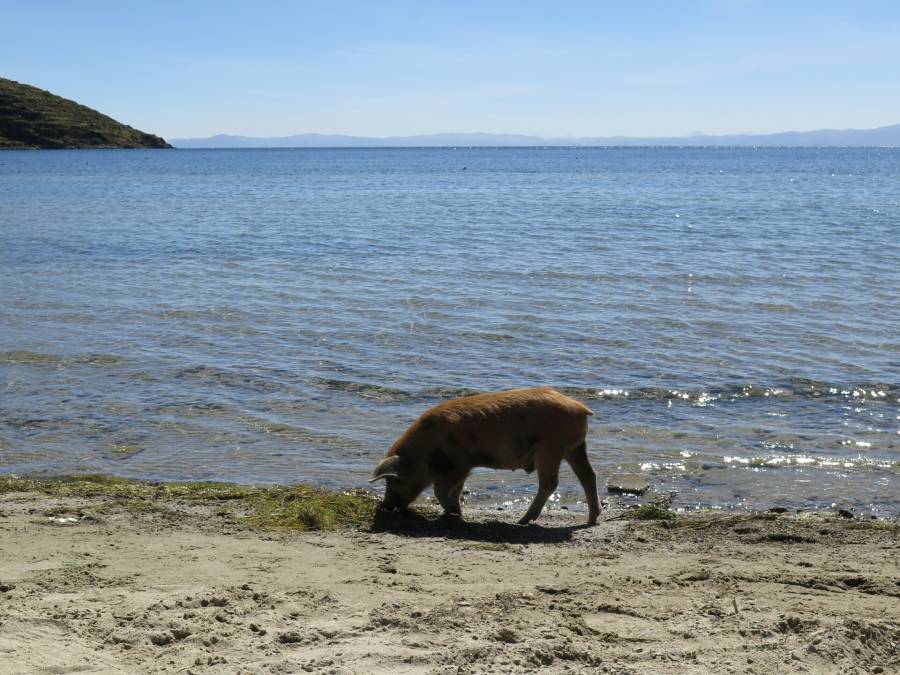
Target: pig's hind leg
[(581, 465)]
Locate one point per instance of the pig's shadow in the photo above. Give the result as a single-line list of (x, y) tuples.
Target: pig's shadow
[(414, 524)]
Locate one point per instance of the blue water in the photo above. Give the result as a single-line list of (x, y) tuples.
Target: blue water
[(731, 315)]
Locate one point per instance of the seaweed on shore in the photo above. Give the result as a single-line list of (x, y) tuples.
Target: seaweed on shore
[(295, 507), (649, 512)]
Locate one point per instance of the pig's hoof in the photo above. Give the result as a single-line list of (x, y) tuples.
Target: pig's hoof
[(524, 521)]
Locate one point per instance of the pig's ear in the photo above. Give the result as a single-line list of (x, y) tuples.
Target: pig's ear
[(389, 467)]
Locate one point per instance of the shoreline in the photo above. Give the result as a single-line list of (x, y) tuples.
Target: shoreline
[(569, 497), (103, 580)]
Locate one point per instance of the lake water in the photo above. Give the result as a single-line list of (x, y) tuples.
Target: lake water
[(732, 316)]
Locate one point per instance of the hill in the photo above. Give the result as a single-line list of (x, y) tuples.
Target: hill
[(34, 118), (881, 137)]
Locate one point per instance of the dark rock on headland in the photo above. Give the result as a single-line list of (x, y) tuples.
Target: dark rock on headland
[(34, 118)]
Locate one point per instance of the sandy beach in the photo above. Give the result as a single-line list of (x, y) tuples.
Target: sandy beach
[(89, 584)]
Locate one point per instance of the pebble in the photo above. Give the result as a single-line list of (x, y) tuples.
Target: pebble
[(180, 633), (508, 635), (161, 639)]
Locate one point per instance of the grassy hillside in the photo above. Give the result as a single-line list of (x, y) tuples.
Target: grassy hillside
[(34, 118)]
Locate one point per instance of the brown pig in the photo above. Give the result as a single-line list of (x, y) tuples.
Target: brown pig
[(516, 429)]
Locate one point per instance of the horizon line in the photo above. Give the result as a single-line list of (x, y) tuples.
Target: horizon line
[(689, 136), (648, 146)]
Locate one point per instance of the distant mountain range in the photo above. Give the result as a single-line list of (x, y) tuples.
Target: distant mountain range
[(882, 136)]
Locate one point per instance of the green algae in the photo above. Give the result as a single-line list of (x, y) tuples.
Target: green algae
[(649, 512), (295, 507)]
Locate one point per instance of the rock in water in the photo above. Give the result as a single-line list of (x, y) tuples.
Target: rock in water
[(627, 483)]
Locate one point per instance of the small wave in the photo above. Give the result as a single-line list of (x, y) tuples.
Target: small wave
[(229, 378), (481, 336), (121, 450), (775, 307), (394, 394), (95, 359), (289, 432), (32, 423), (449, 392), (209, 313), (299, 434), (194, 409), (775, 461), (375, 391), (25, 356), (795, 390), (663, 466)]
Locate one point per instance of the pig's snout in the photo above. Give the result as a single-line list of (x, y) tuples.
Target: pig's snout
[(391, 502)]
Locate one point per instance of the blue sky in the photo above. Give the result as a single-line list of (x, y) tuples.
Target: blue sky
[(265, 68)]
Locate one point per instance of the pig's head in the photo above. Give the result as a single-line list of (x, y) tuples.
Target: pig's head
[(404, 481)]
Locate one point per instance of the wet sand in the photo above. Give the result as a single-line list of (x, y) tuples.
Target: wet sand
[(90, 585)]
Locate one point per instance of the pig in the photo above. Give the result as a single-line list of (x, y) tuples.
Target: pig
[(527, 429)]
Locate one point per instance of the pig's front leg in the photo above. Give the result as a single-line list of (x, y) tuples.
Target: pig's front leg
[(447, 489), (548, 479)]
